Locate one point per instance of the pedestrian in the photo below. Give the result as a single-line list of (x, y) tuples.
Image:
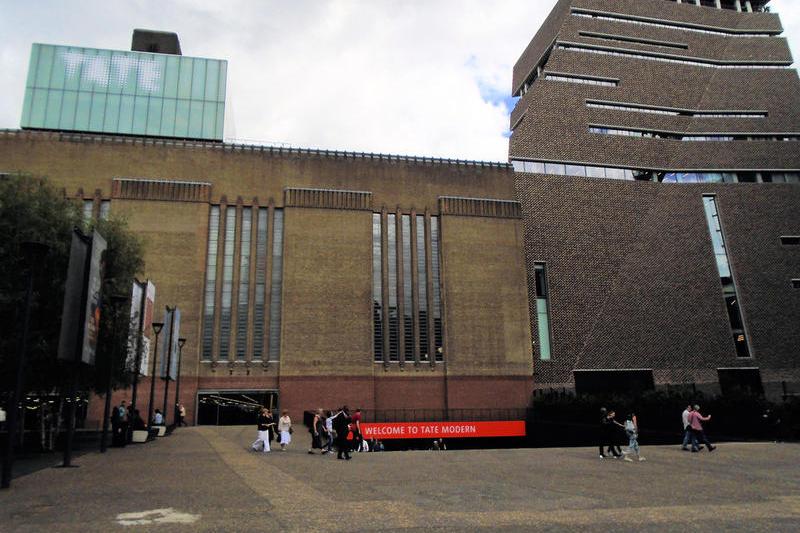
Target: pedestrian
[(262, 438), (356, 425), (285, 429), (181, 415), (271, 423), (329, 432), (317, 429), (158, 418), (631, 427), (341, 423), (119, 425), (688, 436), (695, 421), (607, 425)]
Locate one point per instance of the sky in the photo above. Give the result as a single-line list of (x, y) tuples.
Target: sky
[(409, 77)]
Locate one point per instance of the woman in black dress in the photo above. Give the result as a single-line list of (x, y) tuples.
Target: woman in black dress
[(317, 429)]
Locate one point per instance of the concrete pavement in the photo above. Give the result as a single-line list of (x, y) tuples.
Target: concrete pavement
[(206, 479)]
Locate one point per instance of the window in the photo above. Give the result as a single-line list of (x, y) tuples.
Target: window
[(377, 287), (790, 240), (277, 287), (244, 285), (88, 211), (211, 283), (261, 283), (408, 290), (585, 80), (227, 283), (729, 291), (105, 207), (542, 310), (422, 288), (632, 19), (437, 290), (394, 319)]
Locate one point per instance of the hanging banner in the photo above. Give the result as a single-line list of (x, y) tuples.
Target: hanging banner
[(169, 343), (143, 297), (134, 331), (94, 301), (443, 430), (72, 313)]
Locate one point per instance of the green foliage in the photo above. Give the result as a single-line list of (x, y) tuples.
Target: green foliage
[(31, 210)]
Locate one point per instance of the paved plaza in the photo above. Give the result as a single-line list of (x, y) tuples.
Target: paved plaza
[(205, 479)]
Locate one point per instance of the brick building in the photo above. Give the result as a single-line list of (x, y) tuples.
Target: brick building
[(646, 234), (658, 157)]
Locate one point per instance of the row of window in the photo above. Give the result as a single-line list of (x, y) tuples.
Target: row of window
[(239, 228), (734, 5), (581, 79), (637, 108), (586, 171), (653, 134), (651, 56), (88, 210), (406, 301), (615, 17), (626, 39)]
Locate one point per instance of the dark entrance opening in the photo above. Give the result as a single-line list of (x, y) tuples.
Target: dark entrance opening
[(613, 381), (734, 381), (233, 408)]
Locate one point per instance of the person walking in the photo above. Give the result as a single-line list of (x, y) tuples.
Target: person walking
[(329, 433), (262, 439), (687, 430), (317, 429), (181, 415), (356, 425), (285, 429), (695, 421), (607, 433), (341, 423), (631, 427)]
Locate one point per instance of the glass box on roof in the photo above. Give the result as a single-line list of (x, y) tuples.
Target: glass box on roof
[(133, 93)]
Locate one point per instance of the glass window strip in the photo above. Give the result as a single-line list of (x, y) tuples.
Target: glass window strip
[(105, 209), (667, 24), (276, 287), (211, 284), (639, 108), (542, 310), (394, 335), (437, 290), (260, 283), (408, 290), (722, 137), (88, 211), (242, 313), (572, 47), (377, 288), (422, 289), (581, 80), (227, 283)]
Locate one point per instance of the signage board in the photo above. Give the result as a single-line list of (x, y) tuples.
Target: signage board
[(443, 430)]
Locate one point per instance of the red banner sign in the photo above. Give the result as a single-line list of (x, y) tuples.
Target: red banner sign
[(444, 430)]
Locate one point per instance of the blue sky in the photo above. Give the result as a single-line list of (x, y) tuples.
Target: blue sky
[(410, 77)]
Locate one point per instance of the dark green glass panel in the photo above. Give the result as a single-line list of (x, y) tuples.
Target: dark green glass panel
[(185, 78), (98, 112), (112, 113), (53, 111), (44, 66), (195, 119), (199, 79), (171, 72), (212, 80), (154, 116), (126, 114), (38, 108), (168, 117), (209, 119), (83, 111), (182, 119), (140, 115)]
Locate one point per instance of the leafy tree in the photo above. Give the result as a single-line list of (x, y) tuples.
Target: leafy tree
[(32, 210)]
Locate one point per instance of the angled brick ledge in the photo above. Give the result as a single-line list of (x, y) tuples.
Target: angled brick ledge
[(328, 199), (479, 207), (149, 189)]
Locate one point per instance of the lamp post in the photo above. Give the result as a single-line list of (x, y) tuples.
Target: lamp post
[(177, 414), (33, 253), (156, 330), (116, 301)]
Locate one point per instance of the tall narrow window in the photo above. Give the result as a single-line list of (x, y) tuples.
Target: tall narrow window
[(542, 310), (88, 211), (227, 283), (244, 285), (408, 291), (726, 276), (422, 284), (437, 290), (211, 283), (261, 284), (276, 287), (105, 207), (394, 320), (377, 288)]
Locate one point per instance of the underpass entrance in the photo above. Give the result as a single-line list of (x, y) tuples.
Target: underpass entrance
[(233, 408)]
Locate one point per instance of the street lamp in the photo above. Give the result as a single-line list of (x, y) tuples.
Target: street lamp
[(156, 330), (33, 253), (177, 415), (116, 301)]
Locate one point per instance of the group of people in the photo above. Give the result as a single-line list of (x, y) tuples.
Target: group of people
[(328, 429), (268, 429), (125, 419), (608, 440), (693, 429)]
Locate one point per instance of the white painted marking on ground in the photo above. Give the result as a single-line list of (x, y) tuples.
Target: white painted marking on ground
[(157, 516)]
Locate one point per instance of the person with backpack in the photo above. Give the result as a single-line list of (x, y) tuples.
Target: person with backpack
[(631, 427)]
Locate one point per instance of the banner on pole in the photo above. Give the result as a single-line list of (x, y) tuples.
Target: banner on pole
[(72, 313), (94, 301), (169, 343), (143, 296)]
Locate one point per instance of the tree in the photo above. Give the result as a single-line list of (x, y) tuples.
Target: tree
[(31, 210)]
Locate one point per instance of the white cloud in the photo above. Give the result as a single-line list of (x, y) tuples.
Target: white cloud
[(416, 77)]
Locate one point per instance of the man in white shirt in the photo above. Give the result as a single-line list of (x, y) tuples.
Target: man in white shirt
[(687, 429), (329, 431)]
